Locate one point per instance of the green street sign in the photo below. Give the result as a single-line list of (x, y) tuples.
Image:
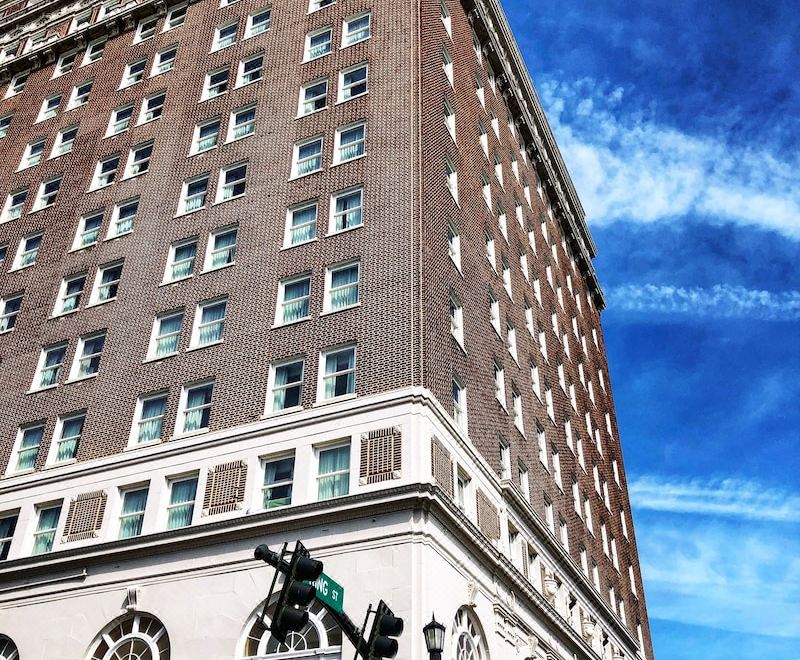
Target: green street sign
[(330, 592)]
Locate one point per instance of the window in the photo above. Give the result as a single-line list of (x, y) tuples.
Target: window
[(333, 478), (604, 537), (342, 286), (242, 123), (501, 221), (87, 356), (28, 441), (536, 383), (606, 498), (498, 169), (69, 294), (164, 60), (301, 224), (346, 210), (313, 97), (451, 176), (251, 70), (131, 516), (447, 66), (48, 369), (80, 95), (94, 51), (149, 418), (180, 261), (505, 459), (9, 308), (175, 18), (8, 525), (318, 43), (106, 283), (68, 433), (5, 122), (285, 386), (145, 29), (623, 522), (615, 468), (454, 245), (459, 394), (258, 22), (511, 335), (65, 64), (193, 194), (307, 157), (27, 251), (595, 575), (523, 265), (294, 295), (614, 558), (221, 249), (278, 478), (524, 482), (32, 155), (457, 320), (548, 515), (479, 91), (579, 447), (209, 322), (507, 278), (225, 35), (486, 189), (232, 182), (195, 408), (49, 107), (463, 488), (180, 510), (123, 217), (543, 343), (139, 159), (349, 142), (15, 204), (3, 254), (134, 73), (120, 120), (556, 458), (500, 384), (166, 335), (206, 136), (563, 534), (494, 313), (516, 406), (450, 119), (352, 82), (339, 372), (355, 29), (88, 230), (576, 498), (490, 249), (46, 524), (64, 141), (632, 579), (105, 172), (315, 5), (152, 107), (17, 84)]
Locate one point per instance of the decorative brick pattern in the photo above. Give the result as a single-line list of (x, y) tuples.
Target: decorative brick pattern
[(442, 466), (85, 516), (225, 488), (488, 517), (381, 455)]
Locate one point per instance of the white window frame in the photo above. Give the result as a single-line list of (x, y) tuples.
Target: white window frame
[(170, 20), (289, 227), (208, 261), (27, 161), (129, 78), (138, 36), (184, 198), (248, 30), (460, 414), (447, 66), (216, 42), (457, 320), (327, 306), (346, 29), (77, 243), (146, 109), (302, 101), (282, 302), (74, 374), (232, 123), (222, 186), (333, 213), (59, 143), (183, 410), (133, 440), (135, 160), (23, 250), (101, 178), (17, 84), (295, 173), (94, 298), (171, 482), (330, 447), (240, 71), (114, 120), (197, 325), (323, 356), (196, 137), (307, 54), (47, 111), (516, 407), (337, 145), (454, 245), (272, 387), (161, 66), (340, 98), (156, 334), (57, 439), (173, 248), (77, 100), (58, 368), (61, 297), (316, 5)]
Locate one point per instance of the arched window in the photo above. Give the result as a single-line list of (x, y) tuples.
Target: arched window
[(466, 638), (321, 639), (136, 636), (8, 650)]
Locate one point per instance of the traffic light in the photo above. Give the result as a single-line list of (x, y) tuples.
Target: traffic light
[(385, 626), (291, 610)]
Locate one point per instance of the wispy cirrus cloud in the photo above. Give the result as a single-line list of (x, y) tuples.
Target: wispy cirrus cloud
[(629, 168), (719, 301), (736, 498)]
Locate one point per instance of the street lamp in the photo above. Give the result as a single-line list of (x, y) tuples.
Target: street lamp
[(434, 638)]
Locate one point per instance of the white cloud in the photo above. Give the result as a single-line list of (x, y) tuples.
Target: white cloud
[(721, 497), (627, 167), (719, 301)]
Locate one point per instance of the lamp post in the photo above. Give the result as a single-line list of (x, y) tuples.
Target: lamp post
[(434, 638)]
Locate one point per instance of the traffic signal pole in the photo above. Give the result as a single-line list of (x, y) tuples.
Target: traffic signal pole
[(350, 630)]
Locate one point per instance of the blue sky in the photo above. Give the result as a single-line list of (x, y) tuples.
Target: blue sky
[(680, 123)]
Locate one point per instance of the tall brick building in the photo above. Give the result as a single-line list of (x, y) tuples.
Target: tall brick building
[(287, 271)]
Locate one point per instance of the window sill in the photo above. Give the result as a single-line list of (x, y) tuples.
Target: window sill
[(151, 360), (188, 434), (139, 445), (295, 177), (218, 268), (312, 113), (235, 139), (100, 302), (43, 208), (60, 463), (314, 11), (176, 280), (80, 379), (211, 98), (275, 326), (217, 202), (126, 177), (344, 231), (294, 245), (17, 473), (341, 309), (349, 160), (111, 135), (147, 121), (360, 41), (95, 189), (14, 269), (357, 96), (60, 315), (325, 402), (35, 390), (116, 236), (279, 413), (314, 59), (202, 346), (192, 154), (185, 213)]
